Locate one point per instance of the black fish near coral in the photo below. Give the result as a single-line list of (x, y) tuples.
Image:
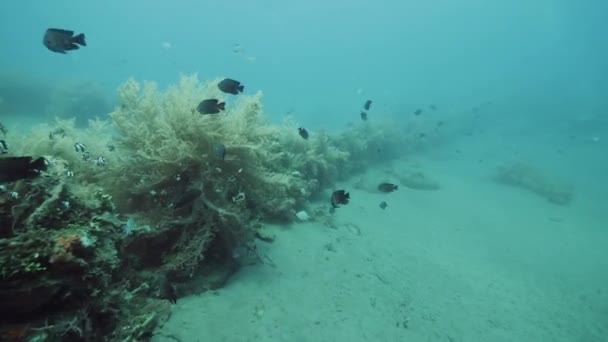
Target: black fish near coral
[(167, 290), (61, 41), (231, 86), (57, 132), (339, 197), (211, 106), (367, 104), (303, 133), (387, 187), (16, 168)]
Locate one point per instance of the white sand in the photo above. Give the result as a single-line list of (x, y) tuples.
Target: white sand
[(474, 261)]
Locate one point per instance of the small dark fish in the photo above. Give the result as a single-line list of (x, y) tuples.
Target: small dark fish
[(387, 187), (439, 124), (60, 41), (339, 197), (231, 86), (211, 106), (59, 131), (363, 116), (303, 132), (433, 107), (418, 112), (111, 147), (16, 168), (383, 205), (367, 104), (167, 290), (220, 151), (3, 147), (421, 135), (85, 156)]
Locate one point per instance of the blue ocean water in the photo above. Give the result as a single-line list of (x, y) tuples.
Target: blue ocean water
[(536, 71), (311, 58)]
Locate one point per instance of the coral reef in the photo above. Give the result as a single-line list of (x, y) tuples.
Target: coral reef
[(134, 208), (525, 176)]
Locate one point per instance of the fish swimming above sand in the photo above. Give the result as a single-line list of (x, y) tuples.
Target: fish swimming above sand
[(16, 168), (303, 132), (61, 41), (231, 86), (387, 187), (367, 104), (211, 106), (339, 197), (363, 116)]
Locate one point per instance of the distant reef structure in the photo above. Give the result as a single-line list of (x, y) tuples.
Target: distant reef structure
[(528, 177), (154, 203), (23, 95)]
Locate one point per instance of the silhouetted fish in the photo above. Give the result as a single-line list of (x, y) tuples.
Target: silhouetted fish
[(418, 112), (211, 106), (367, 104), (339, 197), (363, 116), (387, 187), (303, 132), (16, 168), (231, 86), (383, 205), (60, 41)]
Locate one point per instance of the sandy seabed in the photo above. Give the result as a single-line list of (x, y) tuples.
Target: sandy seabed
[(473, 261)]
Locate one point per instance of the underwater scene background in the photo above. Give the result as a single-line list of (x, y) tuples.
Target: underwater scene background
[(306, 171)]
